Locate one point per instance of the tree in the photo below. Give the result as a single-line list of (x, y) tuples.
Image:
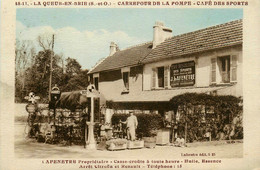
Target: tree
[(45, 41), (33, 70), (72, 67), (201, 113), (77, 82), (37, 76), (24, 58), (75, 78)]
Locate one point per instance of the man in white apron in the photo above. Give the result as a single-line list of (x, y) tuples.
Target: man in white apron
[(131, 125)]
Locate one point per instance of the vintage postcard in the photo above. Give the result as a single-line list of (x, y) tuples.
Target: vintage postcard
[(116, 84)]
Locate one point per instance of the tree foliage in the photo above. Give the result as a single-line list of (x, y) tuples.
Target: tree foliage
[(72, 67), (37, 76), (24, 57), (202, 113), (76, 82), (32, 69)]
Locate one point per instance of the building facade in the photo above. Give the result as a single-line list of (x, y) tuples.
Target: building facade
[(145, 77)]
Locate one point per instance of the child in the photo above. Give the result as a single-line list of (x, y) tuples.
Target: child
[(180, 142)]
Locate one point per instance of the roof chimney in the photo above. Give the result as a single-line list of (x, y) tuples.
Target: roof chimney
[(160, 33), (113, 48)]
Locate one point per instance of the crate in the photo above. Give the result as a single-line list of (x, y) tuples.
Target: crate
[(163, 137), (149, 142), (113, 147), (135, 144)]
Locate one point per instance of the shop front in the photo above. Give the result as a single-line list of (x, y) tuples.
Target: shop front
[(176, 120)]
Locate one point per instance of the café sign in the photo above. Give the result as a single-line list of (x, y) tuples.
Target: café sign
[(182, 74)]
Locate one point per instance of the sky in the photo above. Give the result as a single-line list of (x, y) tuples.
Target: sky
[(85, 34)]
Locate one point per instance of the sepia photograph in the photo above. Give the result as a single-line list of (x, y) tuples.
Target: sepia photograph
[(129, 84)]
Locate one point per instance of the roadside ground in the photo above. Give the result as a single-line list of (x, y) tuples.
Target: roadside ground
[(30, 148)]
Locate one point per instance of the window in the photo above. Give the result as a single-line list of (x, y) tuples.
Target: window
[(96, 82), (160, 76), (225, 69), (126, 80), (90, 78)]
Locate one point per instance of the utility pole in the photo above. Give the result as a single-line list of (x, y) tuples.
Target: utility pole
[(52, 53)]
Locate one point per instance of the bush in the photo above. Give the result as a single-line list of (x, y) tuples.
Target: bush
[(207, 113), (148, 124)]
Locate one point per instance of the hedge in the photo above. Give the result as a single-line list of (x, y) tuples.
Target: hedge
[(148, 124)]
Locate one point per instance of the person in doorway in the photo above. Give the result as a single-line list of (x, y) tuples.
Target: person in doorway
[(131, 125)]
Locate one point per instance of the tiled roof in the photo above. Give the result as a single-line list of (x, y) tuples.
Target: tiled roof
[(223, 35), (127, 57), (219, 36)]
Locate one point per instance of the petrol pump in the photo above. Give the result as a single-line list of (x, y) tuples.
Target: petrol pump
[(91, 93)]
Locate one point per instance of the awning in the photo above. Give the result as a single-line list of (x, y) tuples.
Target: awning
[(162, 95)]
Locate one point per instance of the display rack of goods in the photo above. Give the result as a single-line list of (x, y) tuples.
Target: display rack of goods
[(116, 144)]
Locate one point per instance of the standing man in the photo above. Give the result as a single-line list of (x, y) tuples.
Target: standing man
[(131, 125)]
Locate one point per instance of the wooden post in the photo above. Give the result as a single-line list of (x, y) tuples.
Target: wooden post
[(173, 125), (185, 131), (54, 115), (175, 110), (185, 138), (50, 82)]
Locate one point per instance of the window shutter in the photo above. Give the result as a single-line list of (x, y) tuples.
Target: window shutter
[(166, 71), (154, 78), (233, 68), (213, 70)]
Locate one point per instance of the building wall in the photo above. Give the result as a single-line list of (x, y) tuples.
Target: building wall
[(202, 68), (111, 84)]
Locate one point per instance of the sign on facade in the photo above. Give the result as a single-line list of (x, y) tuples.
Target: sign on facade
[(182, 74)]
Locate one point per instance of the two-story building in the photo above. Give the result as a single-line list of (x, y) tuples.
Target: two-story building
[(145, 77)]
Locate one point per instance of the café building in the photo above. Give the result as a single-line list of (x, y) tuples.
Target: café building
[(143, 78)]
